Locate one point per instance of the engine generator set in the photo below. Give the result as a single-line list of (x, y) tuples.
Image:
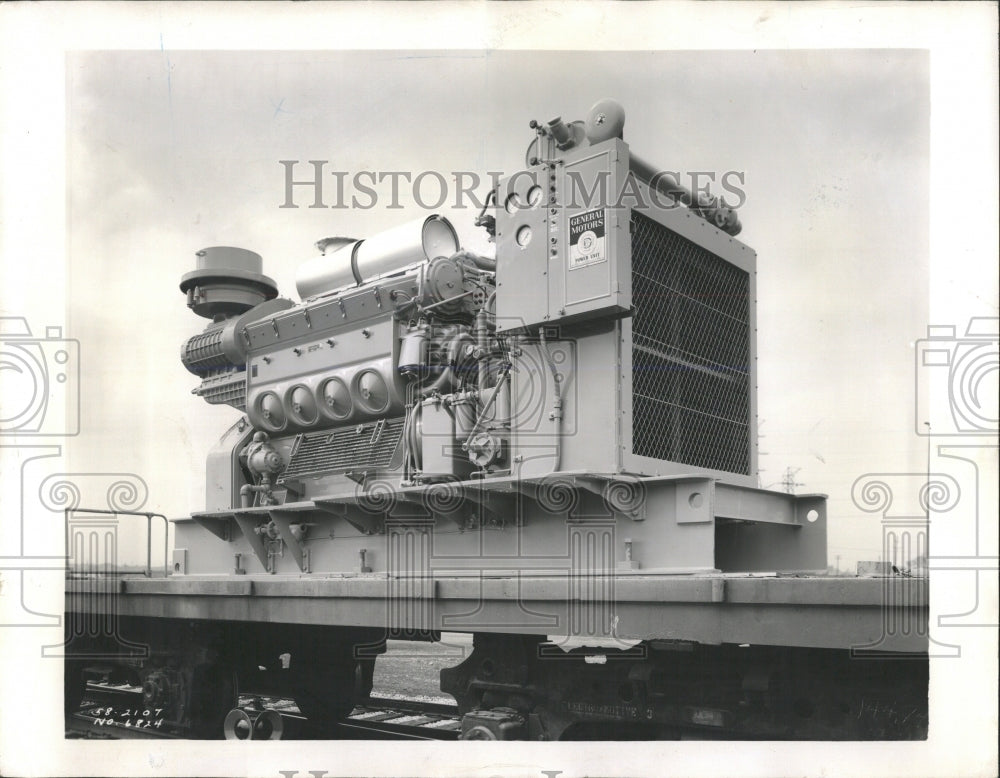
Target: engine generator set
[(602, 365)]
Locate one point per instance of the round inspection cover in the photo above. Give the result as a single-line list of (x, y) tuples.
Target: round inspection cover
[(336, 399), (444, 280), (303, 405), (271, 411), (372, 391), (438, 237)]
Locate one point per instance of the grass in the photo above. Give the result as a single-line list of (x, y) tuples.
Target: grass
[(411, 669)]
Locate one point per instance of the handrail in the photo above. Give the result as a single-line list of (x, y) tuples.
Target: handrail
[(149, 533)]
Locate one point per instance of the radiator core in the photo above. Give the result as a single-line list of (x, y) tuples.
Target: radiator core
[(691, 377)]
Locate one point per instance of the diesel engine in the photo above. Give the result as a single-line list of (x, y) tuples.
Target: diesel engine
[(612, 334)]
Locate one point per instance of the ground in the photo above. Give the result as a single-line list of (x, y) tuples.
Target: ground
[(410, 669)]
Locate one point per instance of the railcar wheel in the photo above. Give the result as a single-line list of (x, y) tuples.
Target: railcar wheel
[(74, 686), (214, 694), (364, 679), (325, 694)]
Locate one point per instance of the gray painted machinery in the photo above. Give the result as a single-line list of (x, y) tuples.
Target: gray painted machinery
[(556, 442)]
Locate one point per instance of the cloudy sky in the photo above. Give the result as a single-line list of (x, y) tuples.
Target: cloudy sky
[(172, 151)]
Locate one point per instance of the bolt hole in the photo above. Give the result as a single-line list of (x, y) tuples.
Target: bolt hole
[(177, 567), (696, 500), (487, 668)]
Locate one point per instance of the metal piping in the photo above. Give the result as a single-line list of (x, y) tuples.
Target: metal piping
[(501, 379), (706, 206), (438, 304), (482, 351), (452, 360), (483, 263)]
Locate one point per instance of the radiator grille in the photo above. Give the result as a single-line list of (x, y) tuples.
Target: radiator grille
[(355, 448), (690, 352)]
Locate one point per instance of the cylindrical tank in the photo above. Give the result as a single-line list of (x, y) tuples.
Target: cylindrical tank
[(327, 272), (415, 241), (465, 417), (386, 252), (413, 351)]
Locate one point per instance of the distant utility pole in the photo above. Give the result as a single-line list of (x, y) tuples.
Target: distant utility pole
[(788, 480), (838, 563)]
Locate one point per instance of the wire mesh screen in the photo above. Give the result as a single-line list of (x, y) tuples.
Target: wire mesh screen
[(690, 352)]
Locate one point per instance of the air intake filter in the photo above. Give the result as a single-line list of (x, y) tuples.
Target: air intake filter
[(226, 282)]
